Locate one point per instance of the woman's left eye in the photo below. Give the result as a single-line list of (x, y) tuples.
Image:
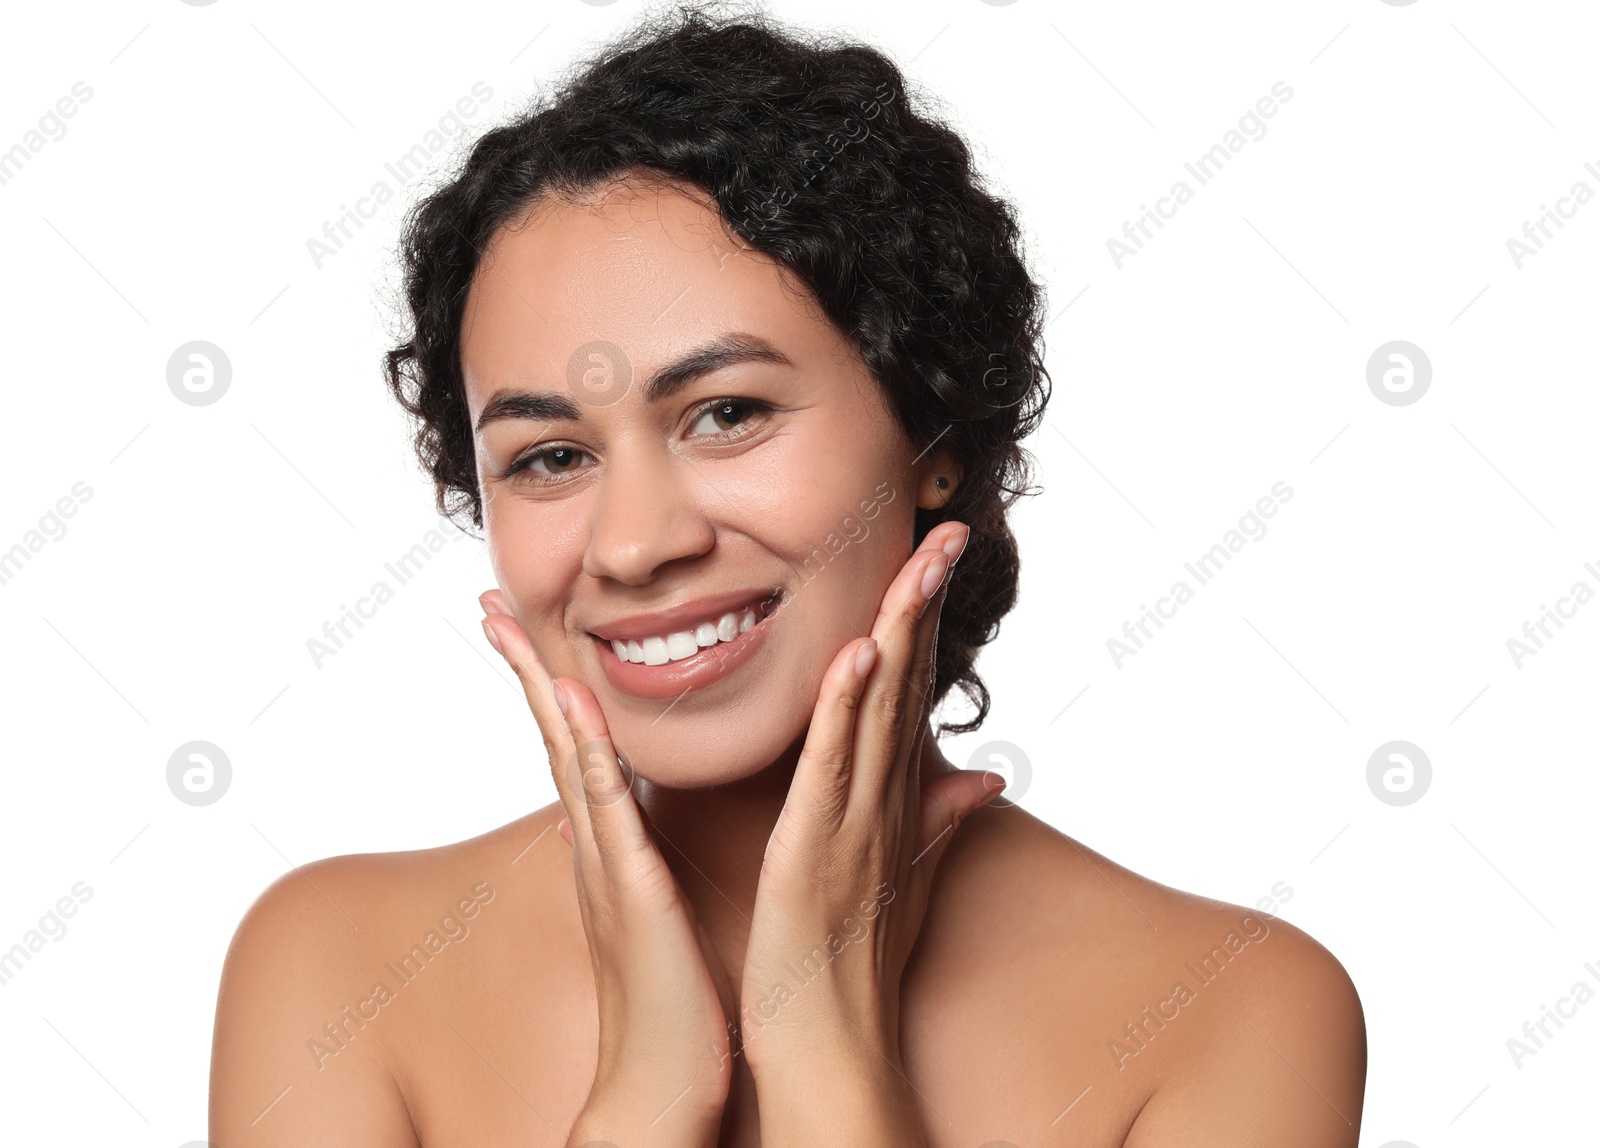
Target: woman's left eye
[(727, 417)]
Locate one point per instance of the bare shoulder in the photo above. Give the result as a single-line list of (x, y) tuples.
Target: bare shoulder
[(1177, 1018), (299, 1052)]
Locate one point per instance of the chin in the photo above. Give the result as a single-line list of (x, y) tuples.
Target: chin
[(756, 713), (701, 754), (724, 737)]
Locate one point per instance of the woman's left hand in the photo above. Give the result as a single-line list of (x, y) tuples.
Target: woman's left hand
[(845, 880)]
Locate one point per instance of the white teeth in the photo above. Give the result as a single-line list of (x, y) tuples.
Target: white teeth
[(680, 644)]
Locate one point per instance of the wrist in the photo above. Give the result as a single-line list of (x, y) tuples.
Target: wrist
[(825, 1099), (607, 1125), (801, 1020), (650, 1113)]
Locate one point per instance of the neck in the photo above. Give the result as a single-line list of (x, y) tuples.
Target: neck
[(714, 839)]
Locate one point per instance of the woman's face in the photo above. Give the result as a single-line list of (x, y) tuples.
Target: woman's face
[(680, 459)]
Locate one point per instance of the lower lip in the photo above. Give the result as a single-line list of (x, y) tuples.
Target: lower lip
[(698, 671)]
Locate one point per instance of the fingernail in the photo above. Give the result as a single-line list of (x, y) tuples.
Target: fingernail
[(957, 543), (865, 657), (560, 696), (993, 781), (934, 574), (488, 632)]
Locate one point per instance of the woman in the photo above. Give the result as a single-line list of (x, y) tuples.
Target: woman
[(729, 353)]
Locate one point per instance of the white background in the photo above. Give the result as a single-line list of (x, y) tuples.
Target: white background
[(1227, 755)]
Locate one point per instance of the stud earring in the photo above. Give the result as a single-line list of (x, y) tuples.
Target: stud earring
[(942, 482)]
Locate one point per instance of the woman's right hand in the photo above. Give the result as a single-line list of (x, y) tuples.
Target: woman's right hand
[(664, 1062)]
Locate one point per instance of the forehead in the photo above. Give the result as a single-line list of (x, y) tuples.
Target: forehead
[(648, 267)]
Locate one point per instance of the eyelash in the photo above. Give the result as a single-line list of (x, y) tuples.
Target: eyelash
[(519, 471)]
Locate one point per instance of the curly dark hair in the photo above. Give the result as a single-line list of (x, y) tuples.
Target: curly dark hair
[(812, 152)]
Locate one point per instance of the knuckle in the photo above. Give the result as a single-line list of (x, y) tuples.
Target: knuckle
[(832, 760), (599, 775), (890, 706), (513, 658)]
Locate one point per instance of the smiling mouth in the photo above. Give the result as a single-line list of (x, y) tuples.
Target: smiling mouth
[(708, 633)]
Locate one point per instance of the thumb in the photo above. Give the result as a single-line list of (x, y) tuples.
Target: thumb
[(947, 800)]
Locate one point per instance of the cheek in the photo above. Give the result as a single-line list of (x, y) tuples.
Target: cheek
[(836, 488), (846, 535), (536, 554)]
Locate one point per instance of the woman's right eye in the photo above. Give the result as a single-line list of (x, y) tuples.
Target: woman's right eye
[(548, 465)]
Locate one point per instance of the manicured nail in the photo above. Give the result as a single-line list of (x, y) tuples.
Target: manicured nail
[(934, 574), (955, 544), (488, 632), (560, 696), (865, 657)]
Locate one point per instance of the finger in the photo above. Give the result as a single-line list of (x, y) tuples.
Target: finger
[(601, 786), (821, 784), (891, 696), (947, 801), (903, 783), (505, 633), (564, 827)]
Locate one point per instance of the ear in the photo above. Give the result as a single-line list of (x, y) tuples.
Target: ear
[(938, 475)]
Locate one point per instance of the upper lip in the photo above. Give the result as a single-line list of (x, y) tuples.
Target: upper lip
[(683, 616)]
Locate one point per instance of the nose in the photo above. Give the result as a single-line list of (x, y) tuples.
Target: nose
[(646, 515)]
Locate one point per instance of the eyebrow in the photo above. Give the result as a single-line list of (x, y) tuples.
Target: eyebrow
[(552, 406)]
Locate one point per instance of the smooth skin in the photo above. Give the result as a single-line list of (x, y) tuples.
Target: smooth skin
[(572, 976)]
